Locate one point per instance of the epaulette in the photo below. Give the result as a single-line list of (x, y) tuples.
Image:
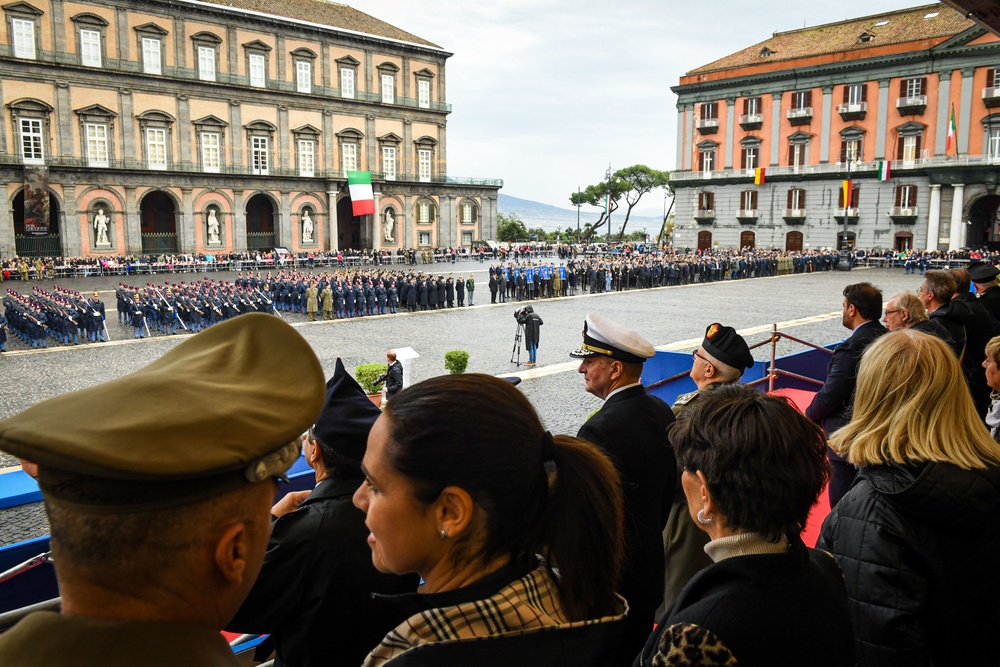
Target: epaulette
[(684, 399)]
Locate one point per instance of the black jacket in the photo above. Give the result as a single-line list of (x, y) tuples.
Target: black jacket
[(919, 546), (631, 429), (314, 591), (774, 609), (954, 316), (532, 326), (979, 330), (393, 379)]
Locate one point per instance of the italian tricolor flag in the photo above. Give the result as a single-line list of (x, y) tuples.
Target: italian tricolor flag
[(883, 170), (951, 130), (362, 198)]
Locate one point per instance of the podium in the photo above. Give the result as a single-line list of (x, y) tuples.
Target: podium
[(405, 356)]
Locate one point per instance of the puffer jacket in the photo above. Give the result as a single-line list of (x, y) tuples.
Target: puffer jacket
[(920, 549), (954, 316)]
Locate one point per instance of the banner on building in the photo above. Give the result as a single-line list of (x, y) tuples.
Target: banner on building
[(36, 200), (759, 178), (359, 183)]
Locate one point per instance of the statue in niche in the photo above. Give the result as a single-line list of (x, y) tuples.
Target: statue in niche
[(388, 220), (307, 227), (101, 228), (213, 228)]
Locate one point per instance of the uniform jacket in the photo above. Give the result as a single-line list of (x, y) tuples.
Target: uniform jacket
[(314, 590), (831, 406), (919, 545), (499, 621), (990, 298), (631, 428), (393, 379), (764, 610), (45, 639)]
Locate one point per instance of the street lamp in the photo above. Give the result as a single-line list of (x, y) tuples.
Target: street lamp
[(558, 231), (645, 237), (578, 204), (844, 261)]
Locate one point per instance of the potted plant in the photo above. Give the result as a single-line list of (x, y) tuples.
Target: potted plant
[(456, 361), (367, 376)]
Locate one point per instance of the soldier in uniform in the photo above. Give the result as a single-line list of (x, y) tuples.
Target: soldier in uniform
[(312, 301), (159, 526), (722, 359), (984, 277)]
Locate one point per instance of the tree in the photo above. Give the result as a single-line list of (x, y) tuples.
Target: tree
[(637, 180), (604, 195), (510, 228)]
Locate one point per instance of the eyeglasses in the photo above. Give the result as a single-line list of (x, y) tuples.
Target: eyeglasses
[(890, 312), (695, 355)]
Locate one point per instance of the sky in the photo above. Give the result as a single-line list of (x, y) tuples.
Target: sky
[(546, 94)]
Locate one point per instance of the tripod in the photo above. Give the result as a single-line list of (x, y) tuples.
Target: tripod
[(517, 345)]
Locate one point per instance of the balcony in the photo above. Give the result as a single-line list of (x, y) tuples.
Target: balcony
[(910, 106), (752, 121), (705, 216), (747, 216), (853, 111), (903, 215), (802, 116), (991, 97), (708, 125), (852, 215), (794, 216)]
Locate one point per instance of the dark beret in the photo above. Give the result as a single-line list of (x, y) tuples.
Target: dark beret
[(727, 346), (347, 416), (221, 410), (982, 272)]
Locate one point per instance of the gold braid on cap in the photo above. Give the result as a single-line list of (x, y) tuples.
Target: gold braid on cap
[(598, 350), (275, 464)]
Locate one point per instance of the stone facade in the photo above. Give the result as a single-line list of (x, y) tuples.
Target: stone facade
[(211, 128), (815, 107)]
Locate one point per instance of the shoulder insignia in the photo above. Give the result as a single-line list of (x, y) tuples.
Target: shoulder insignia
[(684, 399)]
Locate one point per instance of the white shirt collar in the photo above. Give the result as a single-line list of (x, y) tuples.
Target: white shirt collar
[(622, 388)]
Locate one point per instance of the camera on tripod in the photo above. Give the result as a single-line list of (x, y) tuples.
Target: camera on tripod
[(521, 313)]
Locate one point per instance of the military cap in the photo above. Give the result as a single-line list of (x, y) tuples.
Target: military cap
[(727, 346), (221, 410), (982, 272), (603, 336), (347, 417)]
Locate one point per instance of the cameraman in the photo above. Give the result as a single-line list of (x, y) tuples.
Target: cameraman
[(393, 376), (529, 319)]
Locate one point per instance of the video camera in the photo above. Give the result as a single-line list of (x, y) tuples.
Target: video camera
[(521, 313)]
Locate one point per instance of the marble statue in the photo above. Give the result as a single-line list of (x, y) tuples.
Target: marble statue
[(213, 228), (101, 226), (307, 227), (387, 222)]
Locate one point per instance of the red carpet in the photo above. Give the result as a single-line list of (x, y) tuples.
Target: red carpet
[(801, 399)]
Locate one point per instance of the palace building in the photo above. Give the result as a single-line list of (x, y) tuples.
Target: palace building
[(186, 126), (903, 105)]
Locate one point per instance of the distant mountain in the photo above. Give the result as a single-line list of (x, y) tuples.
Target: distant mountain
[(536, 214)]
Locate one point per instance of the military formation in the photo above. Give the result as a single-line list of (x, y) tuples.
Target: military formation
[(63, 316)]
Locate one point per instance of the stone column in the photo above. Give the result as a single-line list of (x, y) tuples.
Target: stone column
[(957, 235), (775, 127), (239, 222), (941, 124), (333, 231), (377, 225), (934, 218), (681, 139), (883, 115), (731, 130), (187, 240), (72, 238), (964, 113), (133, 225), (288, 232), (824, 136)]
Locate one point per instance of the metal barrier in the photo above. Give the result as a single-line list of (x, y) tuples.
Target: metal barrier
[(44, 245)]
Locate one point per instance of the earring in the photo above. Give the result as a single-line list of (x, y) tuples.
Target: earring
[(702, 519), (444, 534)]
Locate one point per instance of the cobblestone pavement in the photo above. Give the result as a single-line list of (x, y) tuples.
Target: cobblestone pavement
[(671, 317)]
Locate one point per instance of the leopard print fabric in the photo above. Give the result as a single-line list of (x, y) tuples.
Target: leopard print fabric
[(692, 646)]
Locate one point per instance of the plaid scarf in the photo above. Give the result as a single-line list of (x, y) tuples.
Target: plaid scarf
[(527, 605)]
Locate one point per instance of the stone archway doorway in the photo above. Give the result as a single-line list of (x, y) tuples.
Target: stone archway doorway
[(984, 223), (28, 244), (158, 224)]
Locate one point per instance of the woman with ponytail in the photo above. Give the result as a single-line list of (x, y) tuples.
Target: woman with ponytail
[(516, 533)]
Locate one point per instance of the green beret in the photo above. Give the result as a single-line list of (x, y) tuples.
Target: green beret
[(223, 409)]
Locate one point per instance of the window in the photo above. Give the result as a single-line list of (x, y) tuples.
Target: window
[(90, 48), (709, 110), (258, 69), (206, 63), (24, 38), (258, 155), (303, 76), (911, 88), (388, 89), (156, 148), (910, 149), (349, 157), (993, 78), (151, 55), (749, 158), (802, 100), (850, 150), (32, 151), (855, 197), (389, 163), (993, 144), (348, 68), (424, 94), (796, 155), (855, 93), (424, 238), (707, 159), (425, 211), (751, 106), (796, 199), (211, 152), (906, 196), (424, 165), (466, 238), (468, 213), (307, 157), (748, 200), (706, 201), (97, 144)]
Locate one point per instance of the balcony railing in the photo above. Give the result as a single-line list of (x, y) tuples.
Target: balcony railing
[(800, 116), (912, 105), (240, 170), (794, 213), (853, 111), (705, 215), (190, 74), (852, 215), (708, 125), (752, 121), (991, 97)]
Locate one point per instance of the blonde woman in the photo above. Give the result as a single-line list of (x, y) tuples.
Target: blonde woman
[(918, 534), (992, 366)]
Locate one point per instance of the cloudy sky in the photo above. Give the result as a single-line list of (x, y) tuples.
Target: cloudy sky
[(546, 93)]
